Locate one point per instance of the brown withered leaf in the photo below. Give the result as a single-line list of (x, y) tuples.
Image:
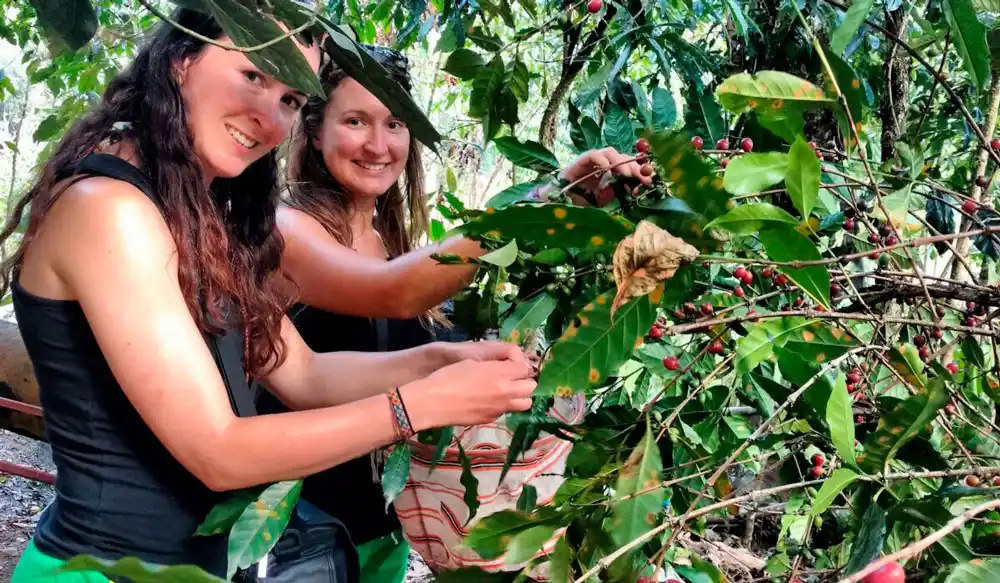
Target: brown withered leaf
[(644, 259)]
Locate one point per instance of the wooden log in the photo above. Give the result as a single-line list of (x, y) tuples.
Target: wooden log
[(17, 383)]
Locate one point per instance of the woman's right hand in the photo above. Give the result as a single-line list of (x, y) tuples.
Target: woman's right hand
[(469, 393)]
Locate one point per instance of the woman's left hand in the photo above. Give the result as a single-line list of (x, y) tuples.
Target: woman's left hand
[(483, 350), (606, 159)]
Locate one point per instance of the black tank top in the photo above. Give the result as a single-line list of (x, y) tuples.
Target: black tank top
[(119, 492), (352, 491)]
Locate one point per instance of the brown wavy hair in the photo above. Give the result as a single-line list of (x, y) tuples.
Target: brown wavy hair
[(228, 248), (400, 213)]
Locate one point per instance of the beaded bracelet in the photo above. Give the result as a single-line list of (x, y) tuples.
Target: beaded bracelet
[(400, 418)]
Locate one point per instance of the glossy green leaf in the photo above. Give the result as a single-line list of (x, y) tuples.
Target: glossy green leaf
[(516, 193), (485, 87), (802, 181), (561, 565), (747, 219), (752, 173), (469, 482), (850, 86), (784, 243), (979, 571), (664, 109), (224, 515), (464, 64), (137, 571), (634, 515), (973, 352), (703, 116), (768, 92), (491, 536), (901, 425), (906, 361), (759, 344), (443, 438), (932, 513), (840, 419), (819, 343), (618, 131), (583, 130), (529, 154), (260, 526), (969, 36), (526, 501), (868, 544), (72, 22), (832, 487), (551, 225), (700, 571), (527, 317), (691, 179), (526, 543), (853, 20), (593, 347), (503, 257), (395, 472)]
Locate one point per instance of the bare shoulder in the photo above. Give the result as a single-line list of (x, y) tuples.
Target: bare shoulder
[(293, 222)]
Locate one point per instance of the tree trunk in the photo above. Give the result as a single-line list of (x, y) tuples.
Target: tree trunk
[(895, 98), (17, 382), (958, 272), (547, 129)]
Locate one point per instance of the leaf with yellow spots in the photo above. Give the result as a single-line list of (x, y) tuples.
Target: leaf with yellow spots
[(257, 530), (646, 258), (527, 317), (820, 343), (597, 345), (850, 86), (691, 179), (906, 361), (225, 514), (570, 226), (902, 424), (759, 344), (636, 513), (762, 91)]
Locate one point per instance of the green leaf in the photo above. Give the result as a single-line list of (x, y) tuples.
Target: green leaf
[(819, 343), (48, 128), (583, 130), (973, 352), (516, 193), (750, 218), (759, 344), (529, 154), (395, 472), (906, 361), (444, 436), (504, 256), (561, 565), (224, 515), (72, 22), (832, 487), (519, 79), (490, 537), (700, 571), (784, 243), (969, 36), (464, 64), (868, 544), (703, 116), (754, 173), (933, 514), (980, 571), (853, 20), (941, 217), (851, 87), (260, 526), (527, 317), (469, 482), (692, 179), (593, 347), (802, 181), (901, 425), (634, 515), (618, 131), (526, 501), (283, 61), (551, 225), (664, 109), (526, 543), (769, 92), (137, 571), (840, 418)]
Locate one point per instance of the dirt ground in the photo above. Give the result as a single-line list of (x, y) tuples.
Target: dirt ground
[(22, 500)]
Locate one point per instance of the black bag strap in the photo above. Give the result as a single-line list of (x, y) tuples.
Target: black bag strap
[(382, 334)]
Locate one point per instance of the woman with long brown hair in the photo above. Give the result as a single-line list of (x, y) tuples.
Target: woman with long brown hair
[(145, 293), (355, 210)]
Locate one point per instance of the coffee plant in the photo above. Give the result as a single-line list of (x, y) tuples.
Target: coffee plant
[(787, 342)]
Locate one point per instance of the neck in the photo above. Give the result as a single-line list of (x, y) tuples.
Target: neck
[(363, 216)]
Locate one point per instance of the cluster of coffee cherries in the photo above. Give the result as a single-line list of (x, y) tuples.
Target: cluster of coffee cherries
[(723, 146), (973, 314), (817, 467), (974, 481)]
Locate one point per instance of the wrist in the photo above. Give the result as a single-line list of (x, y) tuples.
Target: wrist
[(437, 355), (421, 416)]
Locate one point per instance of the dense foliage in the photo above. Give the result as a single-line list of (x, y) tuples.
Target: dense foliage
[(787, 343)]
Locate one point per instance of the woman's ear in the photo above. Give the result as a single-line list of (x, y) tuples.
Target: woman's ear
[(181, 69)]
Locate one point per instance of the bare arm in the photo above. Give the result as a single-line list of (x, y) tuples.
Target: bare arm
[(113, 251), (337, 279)]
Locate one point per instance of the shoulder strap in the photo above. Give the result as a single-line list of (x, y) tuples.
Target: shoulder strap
[(100, 164)]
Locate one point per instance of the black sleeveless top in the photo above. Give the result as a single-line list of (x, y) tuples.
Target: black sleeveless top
[(352, 491), (119, 492)]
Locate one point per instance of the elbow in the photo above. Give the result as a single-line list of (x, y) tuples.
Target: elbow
[(220, 478), (403, 303)]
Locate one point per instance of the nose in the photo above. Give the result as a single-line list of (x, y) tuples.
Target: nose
[(377, 143), (272, 117)]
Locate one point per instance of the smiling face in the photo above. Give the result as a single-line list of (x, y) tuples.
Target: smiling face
[(235, 112), (363, 145)]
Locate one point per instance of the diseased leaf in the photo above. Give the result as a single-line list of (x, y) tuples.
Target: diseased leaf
[(901, 425), (691, 179), (840, 418), (747, 219), (260, 526), (832, 487), (754, 173), (906, 361), (503, 257), (635, 514), (767, 92), (802, 180), (784, 243), (759, 344), (527, 317), (644, 259), (551, 225), (225, 514)]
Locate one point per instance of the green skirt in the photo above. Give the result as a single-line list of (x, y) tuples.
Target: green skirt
[(37, 567), (383, 560)]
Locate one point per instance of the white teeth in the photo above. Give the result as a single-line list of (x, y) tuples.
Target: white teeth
[(373, 167), (244, 140)]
